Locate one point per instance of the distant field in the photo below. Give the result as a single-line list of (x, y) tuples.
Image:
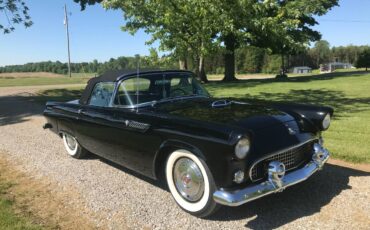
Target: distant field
[(42, 78), (28, 74), (41, 74)]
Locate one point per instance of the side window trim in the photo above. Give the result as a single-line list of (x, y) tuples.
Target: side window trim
[(118, 83), (132, 106)]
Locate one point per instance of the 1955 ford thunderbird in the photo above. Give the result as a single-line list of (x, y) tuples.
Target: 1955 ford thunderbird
[(211, 152)]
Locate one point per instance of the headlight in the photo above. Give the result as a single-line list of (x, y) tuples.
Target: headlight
[(242, 148), (326, 122)]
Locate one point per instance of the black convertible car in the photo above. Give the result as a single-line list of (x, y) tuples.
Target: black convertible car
[(211, 152)]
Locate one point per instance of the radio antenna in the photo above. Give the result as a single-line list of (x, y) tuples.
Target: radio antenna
[(137, 82), (67, 31)]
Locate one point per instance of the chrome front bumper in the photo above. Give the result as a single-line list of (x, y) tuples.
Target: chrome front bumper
[(277, 180)]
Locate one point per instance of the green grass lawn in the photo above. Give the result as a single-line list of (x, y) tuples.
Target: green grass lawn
[(348, 93), (77, 78), (41, 81), (9, 219)]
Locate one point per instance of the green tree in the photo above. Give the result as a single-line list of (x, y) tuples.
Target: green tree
[(364, 59), (272, 64), (183, 28), (201, 27), (13, 12), (84, 3), (250, 59), (321, 52), (283, 26), (290, 31)]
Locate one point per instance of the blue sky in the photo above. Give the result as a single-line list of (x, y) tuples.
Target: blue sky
[(96, 33)]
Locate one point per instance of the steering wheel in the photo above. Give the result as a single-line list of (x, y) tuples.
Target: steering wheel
[(178, 89)]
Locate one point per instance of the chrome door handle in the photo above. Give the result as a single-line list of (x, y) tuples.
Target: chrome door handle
[(81, 111)]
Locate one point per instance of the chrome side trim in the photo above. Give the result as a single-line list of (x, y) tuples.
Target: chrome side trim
[(273, 184), (221, 103), (276, 153)]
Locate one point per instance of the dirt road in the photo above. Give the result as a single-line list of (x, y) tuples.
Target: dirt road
[(113, 197)]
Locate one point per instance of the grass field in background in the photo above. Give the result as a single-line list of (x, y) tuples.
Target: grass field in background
[(347, 92), (22, 79)]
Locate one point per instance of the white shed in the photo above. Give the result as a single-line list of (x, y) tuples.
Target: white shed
[(331, 67), (301, 69)]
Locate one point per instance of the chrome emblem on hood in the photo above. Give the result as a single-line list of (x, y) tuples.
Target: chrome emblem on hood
[(290, 130)]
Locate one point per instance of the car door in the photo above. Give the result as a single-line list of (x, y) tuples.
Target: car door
[(92, 132), (122, 135), (133, 140)]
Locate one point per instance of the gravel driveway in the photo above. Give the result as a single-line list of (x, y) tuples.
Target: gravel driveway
[(335, 198)]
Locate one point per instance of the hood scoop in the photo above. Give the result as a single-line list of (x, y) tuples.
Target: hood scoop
[(224, 103)]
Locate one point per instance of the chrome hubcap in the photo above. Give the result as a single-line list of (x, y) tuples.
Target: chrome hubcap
[(71, 141), (188, 179)]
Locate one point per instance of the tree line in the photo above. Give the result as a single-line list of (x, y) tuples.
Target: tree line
[(90, 67), (252, 59), (248, 59)]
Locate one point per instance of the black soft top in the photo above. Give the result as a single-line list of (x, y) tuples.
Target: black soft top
[(117, 75)]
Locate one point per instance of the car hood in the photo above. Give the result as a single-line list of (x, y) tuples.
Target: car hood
[(232, 113)]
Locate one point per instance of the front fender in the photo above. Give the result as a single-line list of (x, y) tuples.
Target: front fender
[(309, 117)]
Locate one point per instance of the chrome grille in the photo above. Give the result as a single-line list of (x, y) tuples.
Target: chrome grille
[(291, 158)]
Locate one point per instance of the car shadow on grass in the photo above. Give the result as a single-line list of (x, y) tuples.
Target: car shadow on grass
[(304, 199), (342, 104)]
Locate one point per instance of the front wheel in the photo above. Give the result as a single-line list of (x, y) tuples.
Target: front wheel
[(73, 147), (191, 183)]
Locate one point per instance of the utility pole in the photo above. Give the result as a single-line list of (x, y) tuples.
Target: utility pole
[(67, 31)]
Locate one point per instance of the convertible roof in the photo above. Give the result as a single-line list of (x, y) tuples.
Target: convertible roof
[(116, 75)]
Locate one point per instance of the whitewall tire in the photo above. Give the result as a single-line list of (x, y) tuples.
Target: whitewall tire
[(191, 183), (73, 147)]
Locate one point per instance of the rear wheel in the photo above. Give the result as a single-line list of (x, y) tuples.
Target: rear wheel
[(191, 183), (73, 147)]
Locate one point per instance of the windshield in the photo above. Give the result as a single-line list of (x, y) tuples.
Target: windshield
[(158, 87)]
